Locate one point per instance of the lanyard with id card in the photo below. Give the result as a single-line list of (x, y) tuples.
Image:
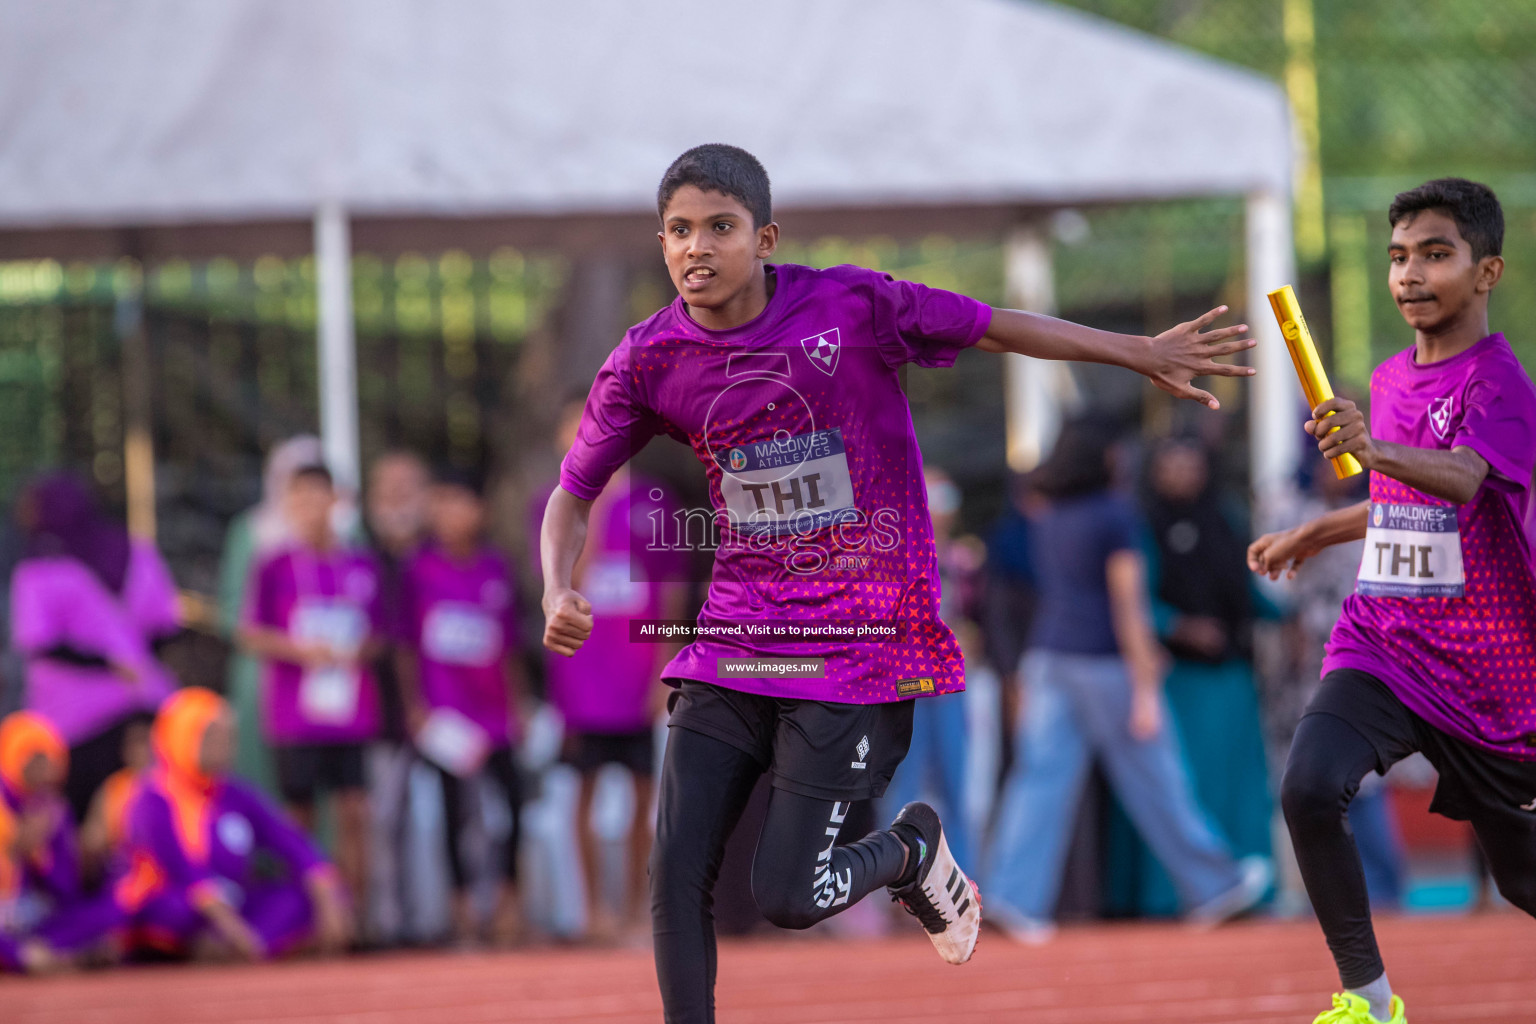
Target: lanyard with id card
[(329, 695), (460, 633), (1411, 551)]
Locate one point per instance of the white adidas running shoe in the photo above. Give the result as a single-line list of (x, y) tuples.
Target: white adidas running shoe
[(941, 896)]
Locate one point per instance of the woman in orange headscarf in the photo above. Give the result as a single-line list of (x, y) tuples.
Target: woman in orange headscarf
[(193, 834), (46, 920)]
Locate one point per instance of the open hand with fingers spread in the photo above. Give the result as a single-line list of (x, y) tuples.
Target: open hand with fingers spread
[(1182, 353)]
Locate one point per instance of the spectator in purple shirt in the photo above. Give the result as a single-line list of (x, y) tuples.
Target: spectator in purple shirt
[(459, 672), (88, 608), (313, 618)]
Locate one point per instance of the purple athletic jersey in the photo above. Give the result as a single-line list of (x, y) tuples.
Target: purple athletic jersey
[(58, 600), (461, 620), (211, 846), (330, 597), (814, 474), (605, 687), (1444, 611)]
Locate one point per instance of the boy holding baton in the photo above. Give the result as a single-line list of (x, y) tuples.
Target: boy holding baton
[(1435, 650)]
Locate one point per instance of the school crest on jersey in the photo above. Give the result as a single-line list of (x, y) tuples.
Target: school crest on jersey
[(823, 350), (1440, 417)]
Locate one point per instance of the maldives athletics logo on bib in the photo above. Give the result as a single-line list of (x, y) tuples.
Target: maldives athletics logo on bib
[(1440, 417)]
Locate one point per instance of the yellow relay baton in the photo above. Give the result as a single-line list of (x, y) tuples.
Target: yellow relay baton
[(1314, 379)]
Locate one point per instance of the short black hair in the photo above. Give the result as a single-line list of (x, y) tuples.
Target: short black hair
[(716, 167), (1079, 462), (463, 478), (1473, 207), (313, 471)]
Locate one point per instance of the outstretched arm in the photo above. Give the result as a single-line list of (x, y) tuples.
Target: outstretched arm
[(1170, 360), (567, 615), (1285, 550)]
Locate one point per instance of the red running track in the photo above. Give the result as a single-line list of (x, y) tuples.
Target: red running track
[(1462, 970)]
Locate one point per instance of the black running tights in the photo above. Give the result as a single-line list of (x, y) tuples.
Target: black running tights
[(1328, 759), (459, 802), (799, 876)]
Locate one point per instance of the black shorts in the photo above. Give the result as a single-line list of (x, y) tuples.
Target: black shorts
[(304, 770), (589, 751), (813, 748), (1475, 784)]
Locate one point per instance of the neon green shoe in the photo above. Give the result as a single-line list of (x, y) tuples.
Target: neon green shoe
[(1350, 1009)]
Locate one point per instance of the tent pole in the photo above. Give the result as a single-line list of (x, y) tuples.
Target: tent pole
[(138, 419), (1032, 387), (337, 342), (1275, 405)]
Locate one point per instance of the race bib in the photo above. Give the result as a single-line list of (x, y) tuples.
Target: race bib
[(455, 633), (339, 624), (791, 484), (329, 696), (1411, 551)]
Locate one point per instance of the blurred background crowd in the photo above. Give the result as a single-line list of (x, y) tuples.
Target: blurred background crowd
[(392, 727), (355, 649)]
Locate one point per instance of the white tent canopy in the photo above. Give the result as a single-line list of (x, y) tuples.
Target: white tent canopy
[(162, 115)]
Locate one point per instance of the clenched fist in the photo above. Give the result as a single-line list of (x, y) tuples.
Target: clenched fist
[(567, 621)]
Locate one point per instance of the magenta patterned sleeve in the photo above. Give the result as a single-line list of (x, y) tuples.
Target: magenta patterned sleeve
[(1498, 422), (615, 425), (914, 323)]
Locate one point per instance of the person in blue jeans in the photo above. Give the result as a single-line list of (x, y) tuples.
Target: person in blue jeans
[(935, 766), (1092, 679)]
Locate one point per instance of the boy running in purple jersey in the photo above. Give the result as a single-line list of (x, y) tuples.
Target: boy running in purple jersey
[(786, 382), (1436, 648)]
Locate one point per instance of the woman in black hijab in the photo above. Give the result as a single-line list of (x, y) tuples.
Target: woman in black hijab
[(1203, 606)]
